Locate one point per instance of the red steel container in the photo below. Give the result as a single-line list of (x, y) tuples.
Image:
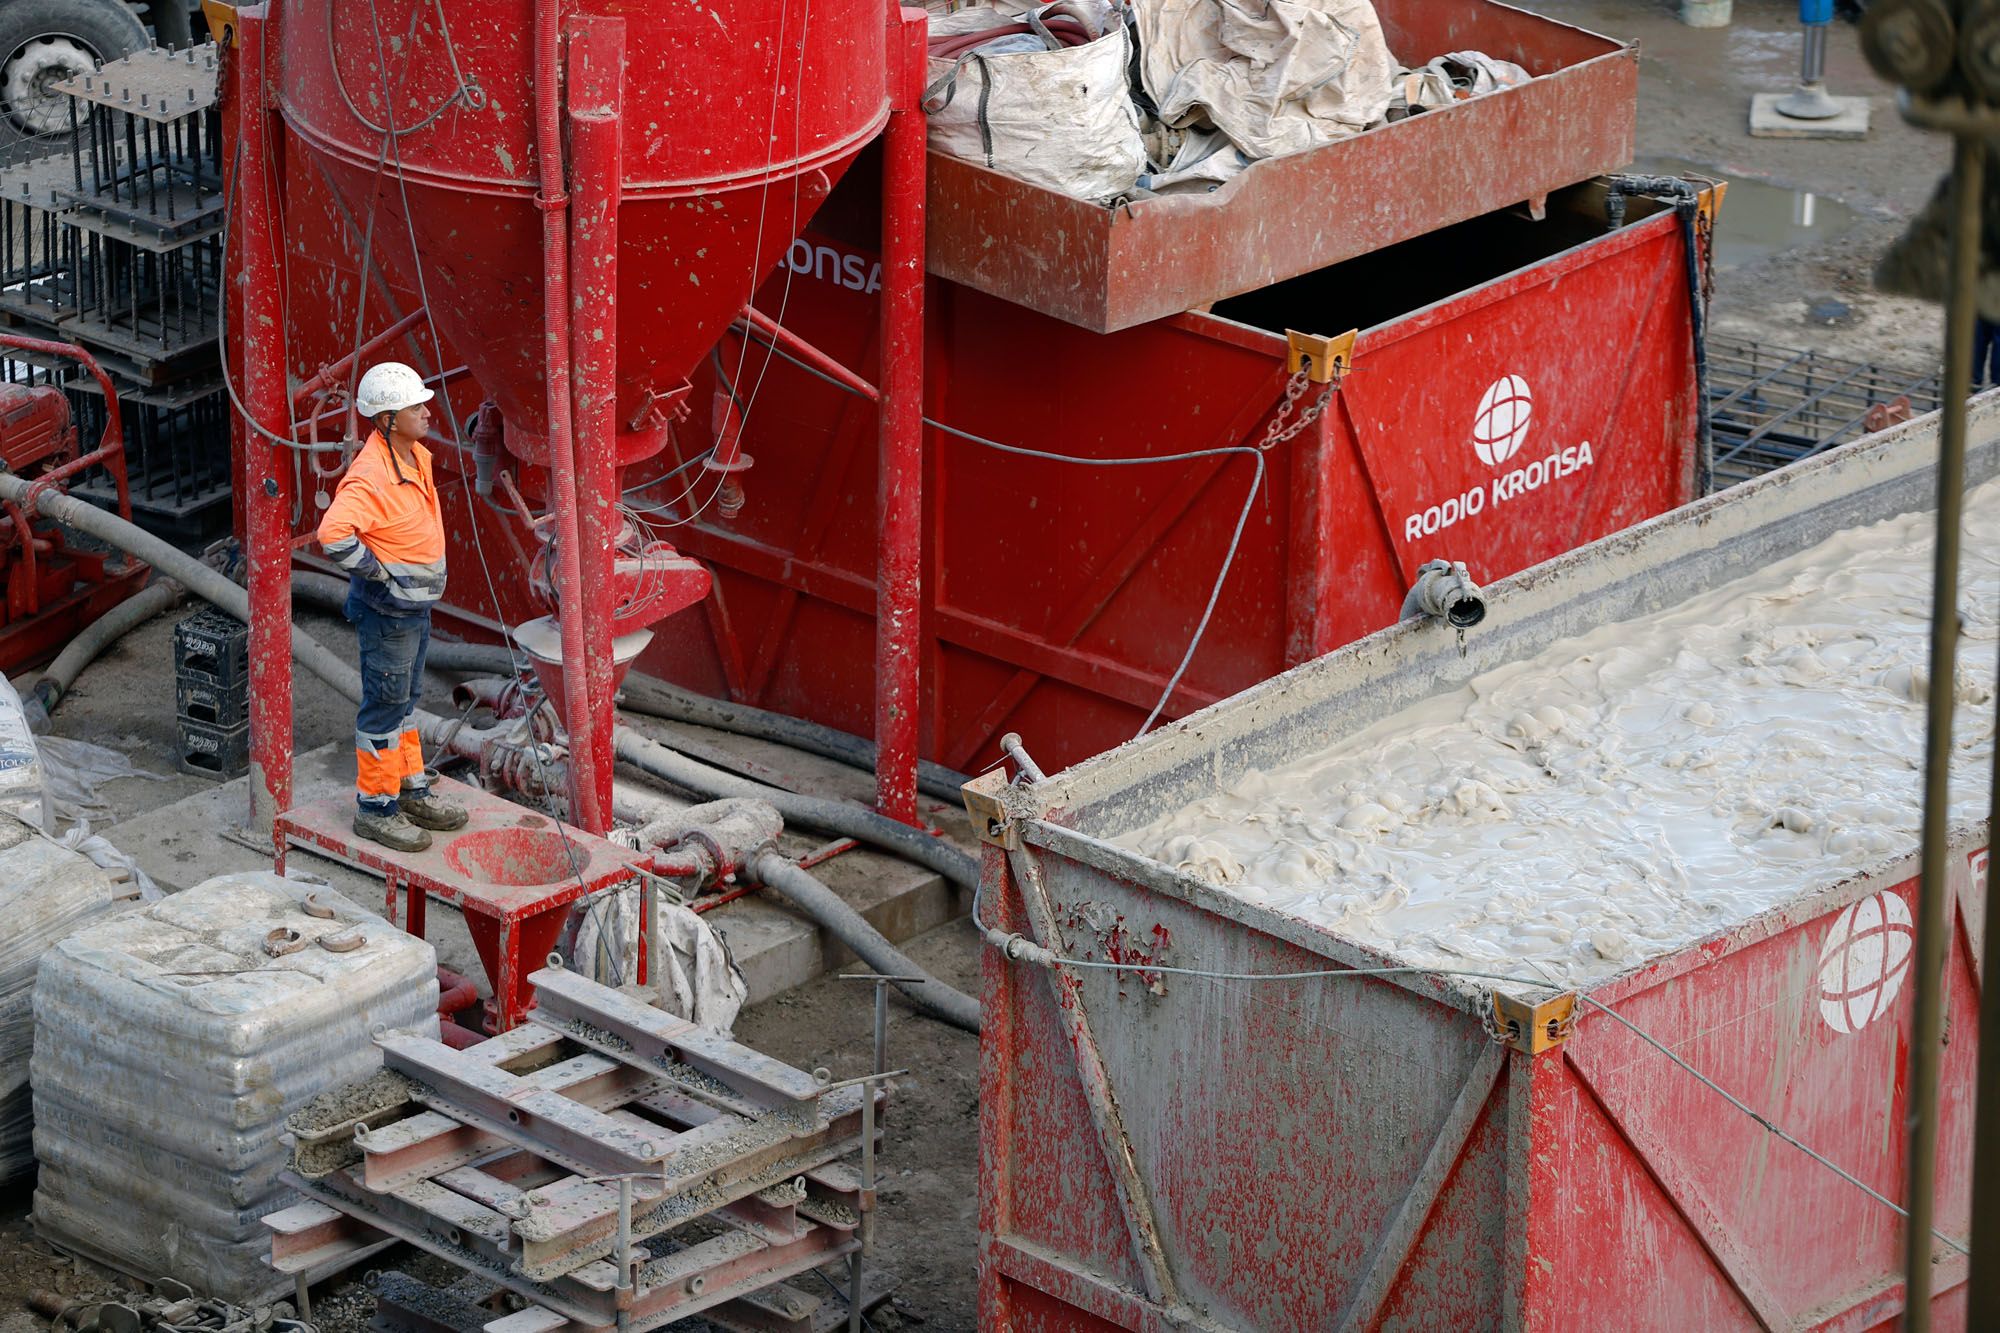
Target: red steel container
[(1169, 1151), (1060, 598), (1112, 268)]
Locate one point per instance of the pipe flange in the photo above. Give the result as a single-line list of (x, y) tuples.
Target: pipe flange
[(284, 940)]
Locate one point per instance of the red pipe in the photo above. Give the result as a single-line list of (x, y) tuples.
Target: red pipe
[(331, 374), (554, 202), (898, 576), (30, 547), (456, 1036), (785, 340), (110, 449), (455, 992), (596, 105), (268, 468)]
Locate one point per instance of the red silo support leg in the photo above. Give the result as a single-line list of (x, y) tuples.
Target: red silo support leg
[(596, 103), (267, 468), (570, 597), (898, 586)]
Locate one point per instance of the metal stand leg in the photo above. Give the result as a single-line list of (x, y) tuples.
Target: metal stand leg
[(1810, 102)]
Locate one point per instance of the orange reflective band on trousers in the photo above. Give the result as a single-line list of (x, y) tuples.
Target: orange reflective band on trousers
[(381, 775)]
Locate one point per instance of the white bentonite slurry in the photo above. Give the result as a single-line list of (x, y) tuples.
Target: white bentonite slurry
[(1635, 789)]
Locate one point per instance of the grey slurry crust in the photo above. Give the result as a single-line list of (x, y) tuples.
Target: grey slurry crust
[(1647, 784)]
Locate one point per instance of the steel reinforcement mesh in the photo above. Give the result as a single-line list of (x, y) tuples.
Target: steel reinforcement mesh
[(1769, 406)]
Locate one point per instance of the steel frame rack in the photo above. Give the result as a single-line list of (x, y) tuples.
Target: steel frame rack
[(606, 1163)]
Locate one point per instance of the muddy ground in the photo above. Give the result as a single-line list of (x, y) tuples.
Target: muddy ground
[(1781, 257)]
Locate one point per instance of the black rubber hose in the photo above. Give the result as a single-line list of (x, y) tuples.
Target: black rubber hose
[(823, 905), (81, 651), (837, 817), (658, 698)]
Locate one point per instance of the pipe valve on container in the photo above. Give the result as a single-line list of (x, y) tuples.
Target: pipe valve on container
[(1444, 590)]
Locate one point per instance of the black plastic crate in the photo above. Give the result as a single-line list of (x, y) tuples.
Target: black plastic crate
[(214, 752), (211, 705), (213, 647)]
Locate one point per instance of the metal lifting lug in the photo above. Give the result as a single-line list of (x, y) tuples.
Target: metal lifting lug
[(221, 21), (1324, 360), (1537, 1027), (984, 803)]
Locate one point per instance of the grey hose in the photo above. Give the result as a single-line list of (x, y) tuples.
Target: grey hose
[(823, 905), (658, 698), (847, 820), (201, 581), (84, 649)]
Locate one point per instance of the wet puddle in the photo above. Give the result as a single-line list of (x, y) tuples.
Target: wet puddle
[(1759, 219)]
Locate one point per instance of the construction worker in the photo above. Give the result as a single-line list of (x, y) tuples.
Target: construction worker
[(386, 530)]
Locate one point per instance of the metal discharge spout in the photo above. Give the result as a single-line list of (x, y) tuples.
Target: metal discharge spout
[(1444, 590)]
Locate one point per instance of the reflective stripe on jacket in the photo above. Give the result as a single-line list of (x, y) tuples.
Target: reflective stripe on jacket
[(385, 529)]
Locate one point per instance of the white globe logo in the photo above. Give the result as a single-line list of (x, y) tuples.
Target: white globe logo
[(1864, 961), (1502, 422)]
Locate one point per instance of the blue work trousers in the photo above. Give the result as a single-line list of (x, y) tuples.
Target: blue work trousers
[(388, 753)]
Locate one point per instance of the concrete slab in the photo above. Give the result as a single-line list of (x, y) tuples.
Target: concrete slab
[(1767, 122), (202, 836)]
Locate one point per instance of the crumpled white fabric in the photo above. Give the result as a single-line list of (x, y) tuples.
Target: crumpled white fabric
[(696, 980), (73, 770), (1276, 76), (106, 857), (1449, 78), (1202, 160), (1063, 119)]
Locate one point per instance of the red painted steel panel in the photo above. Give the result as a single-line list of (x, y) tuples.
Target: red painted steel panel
[(1278, 1126), (705, 206), (1059, 598), (1106, 269)]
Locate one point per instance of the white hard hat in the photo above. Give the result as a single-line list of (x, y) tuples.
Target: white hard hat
[(389, 387)]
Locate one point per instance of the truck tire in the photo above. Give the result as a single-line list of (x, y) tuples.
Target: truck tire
[(43, 42)]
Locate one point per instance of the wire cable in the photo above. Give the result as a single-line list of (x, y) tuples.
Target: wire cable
[(1763, 1120), (466, 91), (791, 274), (1221, 451)]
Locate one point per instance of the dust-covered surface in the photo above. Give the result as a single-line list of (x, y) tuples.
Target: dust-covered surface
[(1651, 783), (1694, 104), (1694, 98), (927, 1223)]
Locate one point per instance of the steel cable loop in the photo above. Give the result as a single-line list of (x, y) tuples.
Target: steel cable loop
[(467, 90)]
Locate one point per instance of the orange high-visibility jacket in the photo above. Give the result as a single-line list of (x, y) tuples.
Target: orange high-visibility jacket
[(385, 528)]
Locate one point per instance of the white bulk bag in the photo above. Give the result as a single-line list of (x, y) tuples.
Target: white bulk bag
[(1059, 119), (1276, 76)]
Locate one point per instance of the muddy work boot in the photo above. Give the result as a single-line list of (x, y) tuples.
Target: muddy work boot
[(427, 811), (393, 831)]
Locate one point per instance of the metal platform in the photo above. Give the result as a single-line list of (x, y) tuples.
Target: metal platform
[(607, 1163), (1770, 406), (513, 873), (157, 85)]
